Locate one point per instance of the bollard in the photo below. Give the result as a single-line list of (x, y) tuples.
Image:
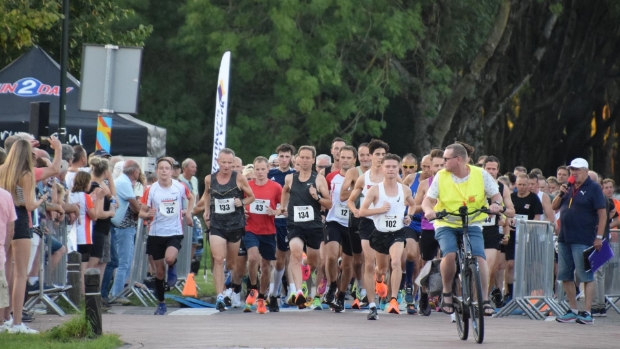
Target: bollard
[(74, 277), (92, 291)]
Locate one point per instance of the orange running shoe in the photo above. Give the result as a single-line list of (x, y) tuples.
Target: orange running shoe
[(356, 304), (260, 306), (251, 298), (305, 269), (381, 287), (393, 307)]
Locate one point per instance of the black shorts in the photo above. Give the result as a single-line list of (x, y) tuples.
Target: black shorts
[(335, 231), (282, 238), (230, 236), (428, 245), (492, 237), (312, 238), (367, 226), (509, 249), (96, 250), (381, 242), (156, 246), (354, 224), (22, 224), (243, 252), (411, 234), (84, 250)]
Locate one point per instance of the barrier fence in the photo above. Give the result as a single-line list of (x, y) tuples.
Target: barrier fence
[(612, 272), (534, 271)]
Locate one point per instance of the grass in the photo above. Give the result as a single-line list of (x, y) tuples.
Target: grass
[(73, 334)]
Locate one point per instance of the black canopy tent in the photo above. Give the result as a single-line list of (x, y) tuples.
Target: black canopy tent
[(35, 77)]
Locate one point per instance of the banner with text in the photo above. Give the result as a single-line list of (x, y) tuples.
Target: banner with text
[(221, 110)]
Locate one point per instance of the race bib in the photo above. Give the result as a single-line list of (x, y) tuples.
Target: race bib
[(279, 216), (342, 211), (390, 222), (303, 213), (489, 221), (259, 206), (169, 208), (224, 206)]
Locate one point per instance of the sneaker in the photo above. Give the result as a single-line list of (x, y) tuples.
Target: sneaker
[(568, 317), (339, 306), (363, 296), (356, 304), (393, 307), (316, 304), (172, 276), (304, 289), (603, 312), (411, 310), (300, 300), (496, 297), (236, 300), (584, 318), (328, 298), (399, 296), (425, 308), (595, 312), (383, 304), (260, 306), (6, 326), (22, 328), (322, 286), (121, 301), (409, 295), (247, 308), (220, 304), (453, 317), (41, 309), (291, 300), (372, 314), (305, 269), (228, 297), (161, 309), (251, 298), (27, 317), (381, 287), (273, 305)]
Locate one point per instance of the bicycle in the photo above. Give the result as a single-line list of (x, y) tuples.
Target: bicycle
[(470, 301)]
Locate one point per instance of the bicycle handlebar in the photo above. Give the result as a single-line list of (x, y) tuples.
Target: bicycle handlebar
[(463, 212)]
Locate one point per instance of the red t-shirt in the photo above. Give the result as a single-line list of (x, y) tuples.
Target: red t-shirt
[(329, 178), (259, 222)]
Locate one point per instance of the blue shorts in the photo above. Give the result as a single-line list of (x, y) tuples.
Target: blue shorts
[(570, 260), (446, 236), (282, 238), (56, 245), (266, 244)]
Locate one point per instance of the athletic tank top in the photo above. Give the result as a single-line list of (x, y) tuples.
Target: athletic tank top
[(392, 220), (101, 225), (224, 215), (425, 224), (416, 221), (303, 210), (367, 183), (340, 211), (491, 223)]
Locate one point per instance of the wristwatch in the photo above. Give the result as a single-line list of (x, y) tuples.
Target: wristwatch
[(599, 237), (498, 203)]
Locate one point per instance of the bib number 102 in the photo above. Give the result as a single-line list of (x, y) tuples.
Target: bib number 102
[(390, 224)]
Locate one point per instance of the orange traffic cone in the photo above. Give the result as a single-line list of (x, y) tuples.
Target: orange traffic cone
[(189, 290)]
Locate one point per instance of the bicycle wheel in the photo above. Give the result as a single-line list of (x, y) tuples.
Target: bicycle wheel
[(461, 313), (475, 291)]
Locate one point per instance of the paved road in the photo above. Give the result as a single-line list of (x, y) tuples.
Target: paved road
[(205, 328)]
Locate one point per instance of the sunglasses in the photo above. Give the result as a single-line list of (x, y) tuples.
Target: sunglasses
[(410, 166)]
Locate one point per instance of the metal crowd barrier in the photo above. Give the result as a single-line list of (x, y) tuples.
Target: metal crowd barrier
[(184, 259), (612, 272), (533, 279)]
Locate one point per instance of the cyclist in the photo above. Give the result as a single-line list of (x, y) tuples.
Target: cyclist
[(456, 185)]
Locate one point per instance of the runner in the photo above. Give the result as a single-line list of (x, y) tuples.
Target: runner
[(373, 176), (453, 186), (337, 235), (284, 153), (337, 144), (225, 195), (429, 247), (363, 155), (534, 186), (162, 204), (388, 200), (303, 195), (260, 234)]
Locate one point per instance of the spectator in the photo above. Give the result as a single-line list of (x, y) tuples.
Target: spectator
[(67, 152), (7, 226)]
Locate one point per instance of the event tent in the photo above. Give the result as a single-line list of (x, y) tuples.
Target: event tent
[(35, 77)]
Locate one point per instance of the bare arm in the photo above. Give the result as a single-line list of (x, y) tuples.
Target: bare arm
[(286, 194), (357, 190), (510, 207), (409, 179), (28, 189), (348, 184), (546, 204), (206, 199), (419, 196), (54, 169), (325, 201), (243, 184), (428, 206), (371, 198)]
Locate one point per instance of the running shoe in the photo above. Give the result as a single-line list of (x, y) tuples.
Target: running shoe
[(227, 277), (584, 318), (260, 306), (382, 304), (305, 269), (247, 308), (568, 317), (251, 298), (316, 304), (393, 307), (220, 304), (328, 298), (363, 296), (300, 300), (304, 289), (339, 306), (372, 314), (236, 300), (228, 297), (172, 276), (602, 312), (291, 299), (409, 295), (356, 304), (7, 325), (381, 287), (399, 296), (273, 305), (496, 297), (22, 328), (411, 309), (161, 309), (425, 308), (322, 286)]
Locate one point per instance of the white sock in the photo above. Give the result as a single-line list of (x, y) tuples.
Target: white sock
[(313, 292), (277, 281), (33, 279), (292, 289), (372, 305), (271, 288)]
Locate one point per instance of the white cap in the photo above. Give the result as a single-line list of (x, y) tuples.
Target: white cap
[(578, 163), (118, 169), (273, 157)]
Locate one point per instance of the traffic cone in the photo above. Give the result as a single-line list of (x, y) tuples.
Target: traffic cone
[(189, 290)]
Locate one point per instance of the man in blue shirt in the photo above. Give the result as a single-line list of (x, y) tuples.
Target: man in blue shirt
[(582, 224)]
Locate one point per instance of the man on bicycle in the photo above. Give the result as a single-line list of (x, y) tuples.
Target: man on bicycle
[(460, 184)]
